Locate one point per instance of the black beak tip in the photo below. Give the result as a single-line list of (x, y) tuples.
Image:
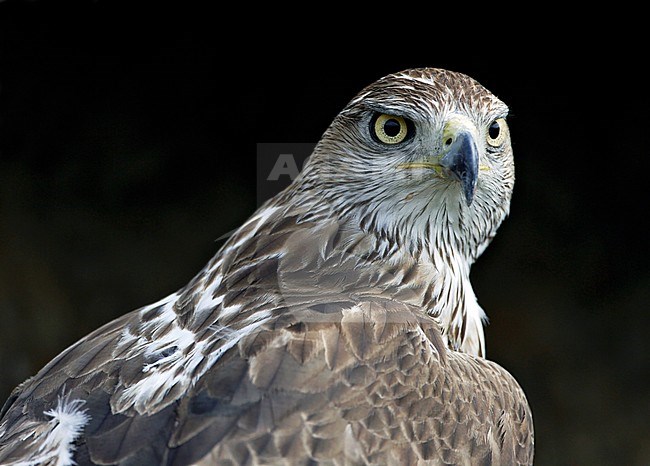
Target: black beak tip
[(469, 190)]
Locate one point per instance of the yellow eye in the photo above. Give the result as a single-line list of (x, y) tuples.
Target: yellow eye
[(390, 129), (497, 132)]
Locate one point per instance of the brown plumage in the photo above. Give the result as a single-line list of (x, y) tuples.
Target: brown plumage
[(336, 326)]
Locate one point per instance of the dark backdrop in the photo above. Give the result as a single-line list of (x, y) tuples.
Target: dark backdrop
[(129, 147)]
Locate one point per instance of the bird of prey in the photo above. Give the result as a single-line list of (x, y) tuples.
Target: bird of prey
[(337, 325)]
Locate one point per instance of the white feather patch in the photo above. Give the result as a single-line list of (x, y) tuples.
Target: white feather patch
[(161, 376), (181, 353), (53, 441), (259, 219), (208, 302), (456, 304)]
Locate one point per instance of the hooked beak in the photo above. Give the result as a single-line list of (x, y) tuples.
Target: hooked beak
[(460, 160)]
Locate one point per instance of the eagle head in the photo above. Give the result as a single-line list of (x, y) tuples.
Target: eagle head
[(423, 157)]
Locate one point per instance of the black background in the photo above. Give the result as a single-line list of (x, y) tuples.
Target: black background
[(128, 145)]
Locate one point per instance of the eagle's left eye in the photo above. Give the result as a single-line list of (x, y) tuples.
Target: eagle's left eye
[(390, 129), (496, 132)]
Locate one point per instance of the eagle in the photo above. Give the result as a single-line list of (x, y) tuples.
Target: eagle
[(336, 326)]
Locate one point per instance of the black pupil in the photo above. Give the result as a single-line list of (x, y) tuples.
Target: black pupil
[(494, 129), (392, 128)]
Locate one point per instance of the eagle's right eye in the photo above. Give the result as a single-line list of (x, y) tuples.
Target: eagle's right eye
[(390, 129)]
